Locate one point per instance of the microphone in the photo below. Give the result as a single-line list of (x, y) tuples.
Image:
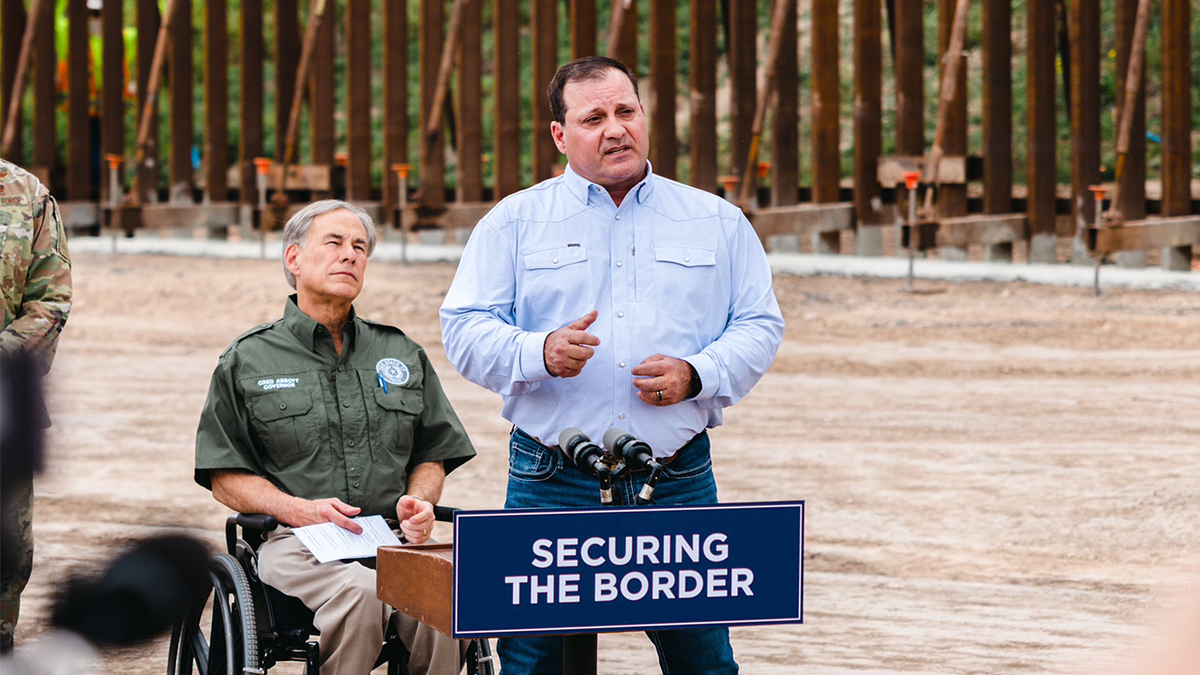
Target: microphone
[(589, 457), (637, 454)]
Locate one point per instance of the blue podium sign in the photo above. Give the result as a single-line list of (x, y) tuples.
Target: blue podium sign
[(547, 572)]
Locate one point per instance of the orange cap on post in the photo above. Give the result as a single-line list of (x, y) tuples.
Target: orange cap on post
[(763, 169), (342, 159), (402, 169), (730, 182), (262, 165), (1098, 191), (912, 179), (114, 160)]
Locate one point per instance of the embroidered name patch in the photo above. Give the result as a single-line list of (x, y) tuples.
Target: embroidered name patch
[(393, 371), (270, 383)]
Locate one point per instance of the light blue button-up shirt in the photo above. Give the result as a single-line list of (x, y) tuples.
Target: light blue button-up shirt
[(674, 270)]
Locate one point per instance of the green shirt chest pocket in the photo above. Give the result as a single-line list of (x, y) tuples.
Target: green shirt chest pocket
[(394, 419), (286, 424)]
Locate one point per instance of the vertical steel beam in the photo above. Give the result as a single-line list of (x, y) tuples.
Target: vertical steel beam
[(663, 144), (627, 47), (148, 20), (506, 168), (910, 78), (1084, 30), (112, 109), (868, 124), (12, 31), (79, 133), (544, 16), (583, 28), (433, 19), (1040, 37), (743, 75), (250, 107), (702, 40), (1176, 126), (997, 106), (358, 99), (395, 94), (287, 58), (785, 124), (952, 199), (321, 87), (825, 99), (182, 118), (1131, 186), (216, 99), (470, 103)]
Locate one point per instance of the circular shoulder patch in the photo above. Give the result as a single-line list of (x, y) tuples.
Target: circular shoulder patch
[(393, 371)]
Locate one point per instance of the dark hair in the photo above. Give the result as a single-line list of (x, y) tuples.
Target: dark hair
[(586, 68)]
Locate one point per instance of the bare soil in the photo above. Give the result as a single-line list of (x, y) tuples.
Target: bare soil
[(998, 478)]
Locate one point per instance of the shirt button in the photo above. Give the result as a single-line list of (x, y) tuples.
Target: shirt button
[(684, 260), (356, 483), (351, 444), (621, 416), (618, 217), (283, 406), (621, 364), (345, 404), (618, 263), (340, 368), (621, 315), (555, 261)]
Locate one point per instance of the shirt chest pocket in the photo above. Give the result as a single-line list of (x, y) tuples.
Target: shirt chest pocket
[(556, 283), (286, 424), (394, 419), (683, 280)]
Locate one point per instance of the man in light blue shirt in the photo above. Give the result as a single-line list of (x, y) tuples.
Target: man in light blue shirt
[(611, 297)]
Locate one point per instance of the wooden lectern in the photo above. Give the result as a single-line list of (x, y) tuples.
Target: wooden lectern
[(419, 581)]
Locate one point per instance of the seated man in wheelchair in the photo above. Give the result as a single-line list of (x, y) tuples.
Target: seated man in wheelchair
[(322, 416)]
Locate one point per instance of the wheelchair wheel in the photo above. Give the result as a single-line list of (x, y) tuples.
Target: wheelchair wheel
[(230, 646), (479, 658)]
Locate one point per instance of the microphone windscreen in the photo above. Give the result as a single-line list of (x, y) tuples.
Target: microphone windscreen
[(567, 435), (611, 437)]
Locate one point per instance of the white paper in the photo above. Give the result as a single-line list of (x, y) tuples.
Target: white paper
[(330, 542)]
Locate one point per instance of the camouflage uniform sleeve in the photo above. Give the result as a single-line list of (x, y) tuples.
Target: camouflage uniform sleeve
[(46, 300)]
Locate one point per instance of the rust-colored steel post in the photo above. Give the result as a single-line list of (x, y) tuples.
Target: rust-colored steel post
[(507, 113), (287, 45), (145, 165), (470, 104), (997, 107), (182, 130), (1129, 197), (79, 133), (785, 122), (1084, 110), (583, 28), (321, 96), (663, 145), (825, 102), (1042, 132), (15, 52), (622, 33), (432, 163), (358, 99), (910, 78), (395, 93), (216, 100), (316, 14), (112, 106), (743, 73), (250, 100), (770, 80), (1177, 127), (868, 124), (702, 36), (952, 34), (544, 17)]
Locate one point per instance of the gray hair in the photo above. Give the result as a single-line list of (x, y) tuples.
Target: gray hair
[(296, 230)]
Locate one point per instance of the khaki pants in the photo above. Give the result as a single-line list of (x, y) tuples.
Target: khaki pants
[(352, 620)]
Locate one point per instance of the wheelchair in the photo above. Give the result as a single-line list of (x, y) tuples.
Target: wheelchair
[(251, 627)]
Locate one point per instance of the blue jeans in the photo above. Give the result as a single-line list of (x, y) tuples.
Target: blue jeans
[(540, 478)]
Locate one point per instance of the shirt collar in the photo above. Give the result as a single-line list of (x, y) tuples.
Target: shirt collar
[(306, 329), (582, 188)]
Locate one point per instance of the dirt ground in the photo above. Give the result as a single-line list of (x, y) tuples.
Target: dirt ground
[(998, 478)]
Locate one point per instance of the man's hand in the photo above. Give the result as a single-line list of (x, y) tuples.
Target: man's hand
[(568, 349), (332, 510), (416, 518), (662, 380)]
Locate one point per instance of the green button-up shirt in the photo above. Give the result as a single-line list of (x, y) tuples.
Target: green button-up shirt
[(283, 405)]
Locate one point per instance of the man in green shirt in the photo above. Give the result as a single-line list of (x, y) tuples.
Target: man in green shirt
[(322, 416)]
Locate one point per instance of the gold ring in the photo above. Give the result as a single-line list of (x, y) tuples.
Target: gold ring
[(660, 395), (424, 532)]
